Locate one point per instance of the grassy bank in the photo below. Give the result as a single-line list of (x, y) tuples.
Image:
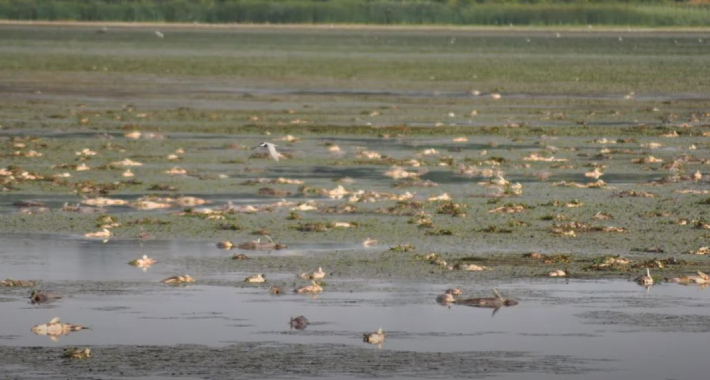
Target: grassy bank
[(363, 12)]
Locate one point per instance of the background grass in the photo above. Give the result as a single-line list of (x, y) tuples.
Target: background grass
[(229, 79), (454, 12)]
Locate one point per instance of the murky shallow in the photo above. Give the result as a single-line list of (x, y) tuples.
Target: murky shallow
[(600, 326)]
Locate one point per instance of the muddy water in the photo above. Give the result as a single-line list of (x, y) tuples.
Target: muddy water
[(588, 327)]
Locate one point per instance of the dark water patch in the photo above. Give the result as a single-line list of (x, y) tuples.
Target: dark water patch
[(680, 323), (274, 360)]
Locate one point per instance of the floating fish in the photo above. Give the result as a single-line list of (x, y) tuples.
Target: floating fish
[(55, 328), (377, 337), (493, 302)]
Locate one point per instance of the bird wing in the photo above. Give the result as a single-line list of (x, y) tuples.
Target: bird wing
[(272, 152)]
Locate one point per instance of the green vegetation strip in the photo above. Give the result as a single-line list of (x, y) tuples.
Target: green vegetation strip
[(453, 12)]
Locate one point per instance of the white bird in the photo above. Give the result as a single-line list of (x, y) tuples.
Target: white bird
[(159, 34), (272, 150)]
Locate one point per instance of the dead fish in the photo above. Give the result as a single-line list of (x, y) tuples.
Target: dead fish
[(29, 203), (445, 299), (255, 279), (43, 297), (370, 242), (17, 283), (225, 245), (299, 323), (646, 280), (144, 235), (557, 273), (596, 173), (317, 275), (181, 279), (377, 337), (454, 292), (493, 302), (276, 290), (190, 201), (258, 245), (101, 202), (78, 208), (700, 279), (75, 353), (313, 288), (143, 262), (240, 256), (470, 267), (103, 234), (150, 205), (55, 328)]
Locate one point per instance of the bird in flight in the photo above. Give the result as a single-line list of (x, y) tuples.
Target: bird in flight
[(272, 150)]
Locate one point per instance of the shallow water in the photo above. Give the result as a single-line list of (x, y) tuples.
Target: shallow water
[(616, 325)]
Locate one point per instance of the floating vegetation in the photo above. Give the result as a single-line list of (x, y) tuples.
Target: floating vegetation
[(403, 248), (314, 227)]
